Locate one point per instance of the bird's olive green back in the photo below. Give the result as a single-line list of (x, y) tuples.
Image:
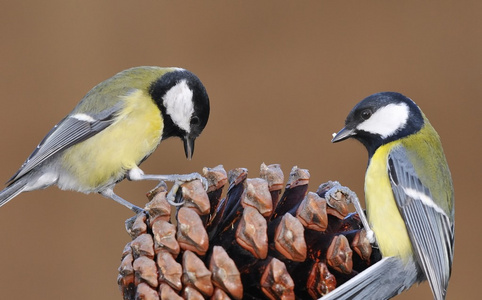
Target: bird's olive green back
[(109, 92)]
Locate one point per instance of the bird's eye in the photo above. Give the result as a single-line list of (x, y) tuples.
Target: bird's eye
[(366, 114), (194, 120)]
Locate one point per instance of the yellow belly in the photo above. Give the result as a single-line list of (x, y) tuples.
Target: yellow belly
[(383, 213), (104, 158)]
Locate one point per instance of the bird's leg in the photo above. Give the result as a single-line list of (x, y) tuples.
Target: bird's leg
[(352, 197), (109, 193), (137, 174)]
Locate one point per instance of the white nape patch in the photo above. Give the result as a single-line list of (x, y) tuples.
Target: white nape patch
[(179, 105), (83, 117), (387, 120), (426, 200)]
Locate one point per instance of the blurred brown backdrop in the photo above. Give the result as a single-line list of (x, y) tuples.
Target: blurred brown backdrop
[(281, 76)]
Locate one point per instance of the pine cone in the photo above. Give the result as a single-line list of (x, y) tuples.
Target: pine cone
[(255, 243)]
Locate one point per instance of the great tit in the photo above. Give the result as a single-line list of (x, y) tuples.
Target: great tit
[(409, 199), (113, 129)]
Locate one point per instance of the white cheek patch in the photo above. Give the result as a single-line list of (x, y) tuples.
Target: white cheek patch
[(387, 120), (179, 105)]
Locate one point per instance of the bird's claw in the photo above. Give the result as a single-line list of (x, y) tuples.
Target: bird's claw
[(337, 187), (351, 197), (178, 181), (194, 176), (171, 196), (137, 210)]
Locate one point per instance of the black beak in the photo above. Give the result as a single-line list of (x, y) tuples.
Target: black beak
[(189, 146), (343, 135)]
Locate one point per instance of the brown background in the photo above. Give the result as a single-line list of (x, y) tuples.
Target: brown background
[(281, 76)]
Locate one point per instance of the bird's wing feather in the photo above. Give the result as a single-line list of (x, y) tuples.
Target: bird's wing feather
[(428, 226), (71, 130), (383, 280)]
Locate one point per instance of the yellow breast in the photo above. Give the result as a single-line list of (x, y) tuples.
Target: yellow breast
[(382, 211), (104, 158)]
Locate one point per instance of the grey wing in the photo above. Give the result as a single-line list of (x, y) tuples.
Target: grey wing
[(429, 227), (382, 280), (71, 130)]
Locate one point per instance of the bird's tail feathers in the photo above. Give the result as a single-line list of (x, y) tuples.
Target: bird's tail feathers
[(383, 280), (11, 191)]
